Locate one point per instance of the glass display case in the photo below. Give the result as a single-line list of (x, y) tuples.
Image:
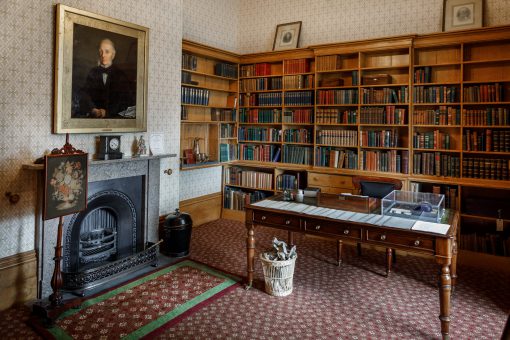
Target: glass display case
[(423, 206)]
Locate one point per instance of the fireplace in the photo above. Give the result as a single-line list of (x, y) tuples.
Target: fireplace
[(112, 236)]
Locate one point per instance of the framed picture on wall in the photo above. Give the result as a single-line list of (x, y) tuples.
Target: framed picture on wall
[(462, 14), (287, 36), (65, 184), (100, 73)]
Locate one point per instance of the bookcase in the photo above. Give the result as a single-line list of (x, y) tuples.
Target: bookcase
[(209, 92), (431, 110)]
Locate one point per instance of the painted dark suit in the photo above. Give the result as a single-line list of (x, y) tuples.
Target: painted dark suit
[(115, 95)]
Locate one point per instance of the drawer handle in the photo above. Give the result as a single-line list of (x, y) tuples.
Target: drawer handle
[(346, 231), (287, 222), (416, 243), (263, 218), (317, 227), (383, 237)]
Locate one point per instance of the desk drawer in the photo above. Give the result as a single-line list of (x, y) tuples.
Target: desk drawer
[(413, 242), (332, 228), (290, 222), (335, 181)]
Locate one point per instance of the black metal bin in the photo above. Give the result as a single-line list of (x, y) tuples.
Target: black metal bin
[(176, 234)]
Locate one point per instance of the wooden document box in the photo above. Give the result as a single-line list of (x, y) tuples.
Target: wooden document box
[(376, 79), (362, 204)]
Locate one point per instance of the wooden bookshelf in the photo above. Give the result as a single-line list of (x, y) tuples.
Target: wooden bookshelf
[(431, 95), (209, 94)]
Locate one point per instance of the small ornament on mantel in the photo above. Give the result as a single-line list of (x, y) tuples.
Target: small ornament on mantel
[(141, 148)]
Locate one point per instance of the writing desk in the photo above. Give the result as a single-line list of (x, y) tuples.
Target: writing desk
[(442, 246)]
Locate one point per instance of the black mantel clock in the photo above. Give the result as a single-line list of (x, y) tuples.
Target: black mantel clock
[(109, 147)]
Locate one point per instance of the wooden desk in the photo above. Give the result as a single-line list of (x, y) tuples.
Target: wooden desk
[(442, 247)]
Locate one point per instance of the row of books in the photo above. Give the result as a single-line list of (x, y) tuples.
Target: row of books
[(436, 164), (237, 199), (223, 115), (226, 70), (297, 136), (336, 158), (435, 94), (431, 140), (301, 116), (335, 116), (298, 98), (422, 75), (189, 62), (328, 63), (486, 140), (228, 152), (443, 115), (260, 84), (298, 82), (261, 153), (383, 115), (260, 115), (337, 97), (484, 93), (497, 116), (385, 95), (256, 70), (296, 66), (262, 99), (227, 130), (287, 182), (297, 154), (489, 243), (338, 137), (248, 178), (196, 96), (488, 168), (186, 78), (259, 134), (383, 138), (385, 161)]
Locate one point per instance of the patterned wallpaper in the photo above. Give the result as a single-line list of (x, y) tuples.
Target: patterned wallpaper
[(213, 23), (26, 92), (329, 21)]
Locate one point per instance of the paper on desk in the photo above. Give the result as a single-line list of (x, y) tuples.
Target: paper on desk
[(399, 222), (356, 217), (431, 227)]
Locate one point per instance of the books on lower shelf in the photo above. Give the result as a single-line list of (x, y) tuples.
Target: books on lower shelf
[(262, 153), (287, 181), (297, 154), (490, 243), (383, 115), (443, 115), (336, 116), (228, 152), (260, 115), (237, 199), (336, 158), (385, 161), (486, 168), (248, 178), (436, 164)]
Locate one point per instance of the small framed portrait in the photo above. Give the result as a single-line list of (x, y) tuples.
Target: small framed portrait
[(287, 36), (65, 184), (462, 14), (100, 73)]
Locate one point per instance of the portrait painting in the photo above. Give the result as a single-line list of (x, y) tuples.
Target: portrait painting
[(100, 74), (287, 36), (65, 184), (462, 14)]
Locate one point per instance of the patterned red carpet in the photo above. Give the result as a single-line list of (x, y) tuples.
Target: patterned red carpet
[(354, 301)]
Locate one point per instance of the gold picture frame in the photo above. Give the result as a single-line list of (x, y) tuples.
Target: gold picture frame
[(462, 14), (287, 36), (101, 67)]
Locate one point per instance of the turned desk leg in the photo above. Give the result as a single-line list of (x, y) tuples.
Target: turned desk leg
[(389, 252), (291, 238), (338, 252), (453, 266), (445, 288), (250, 252)]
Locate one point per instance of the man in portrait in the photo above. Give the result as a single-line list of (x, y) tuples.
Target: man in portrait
[(107, 91)]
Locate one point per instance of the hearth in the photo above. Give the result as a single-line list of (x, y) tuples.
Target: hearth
[(99, 239), (111, 237)]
